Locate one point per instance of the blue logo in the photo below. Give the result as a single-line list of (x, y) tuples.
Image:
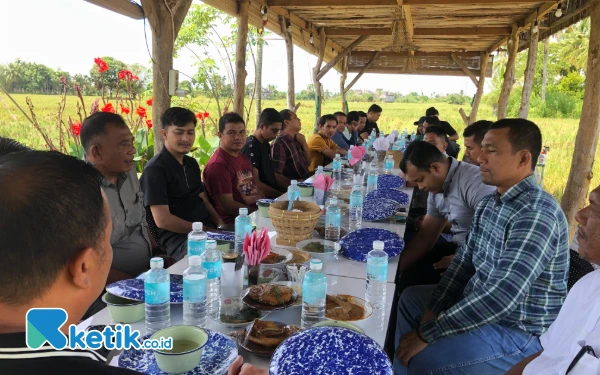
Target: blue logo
[(44, 326)]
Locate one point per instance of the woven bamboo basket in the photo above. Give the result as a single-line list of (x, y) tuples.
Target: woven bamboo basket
[(293, 227)]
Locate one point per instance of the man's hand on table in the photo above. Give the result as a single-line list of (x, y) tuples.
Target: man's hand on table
[(410, 345), (238, 367)]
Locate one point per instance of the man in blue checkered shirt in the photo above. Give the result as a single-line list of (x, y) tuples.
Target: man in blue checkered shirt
[(508, 281)]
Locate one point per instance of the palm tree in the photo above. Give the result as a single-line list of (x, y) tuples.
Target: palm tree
[(574, 43)]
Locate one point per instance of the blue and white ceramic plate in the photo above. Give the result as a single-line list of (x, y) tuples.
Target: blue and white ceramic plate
[(393, 194), (218, 354), (330, 351), (390, 181), (264, 200), (379, 209), (134, 288), (356, 245), (305, 184), (222, 236)]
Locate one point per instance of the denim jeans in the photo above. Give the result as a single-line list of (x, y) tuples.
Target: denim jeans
[(489, 350)]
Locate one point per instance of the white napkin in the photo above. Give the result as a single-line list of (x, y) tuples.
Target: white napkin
[(381, 144), (392, 137)]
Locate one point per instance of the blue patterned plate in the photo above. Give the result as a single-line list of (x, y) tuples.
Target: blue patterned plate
[(134, 288), (222, 236), (264, 200), (393, 194), (305, 184), (379, 209), (330, 351), (390, 181), (218, 354), (356, 245)]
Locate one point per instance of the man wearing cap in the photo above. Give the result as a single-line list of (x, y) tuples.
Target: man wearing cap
[(420, 128)]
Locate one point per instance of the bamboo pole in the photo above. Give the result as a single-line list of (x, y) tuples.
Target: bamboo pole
[(509, 74), (289, 45), (586, 142), (483, 61), (545, 70), (258, 78), (316, 79), (529, 73), (343, 77), (240, 57)]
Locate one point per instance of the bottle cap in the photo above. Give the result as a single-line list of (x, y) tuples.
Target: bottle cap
[(320, 167), (243, 211), (333, 201), (195, 260), (157, 263), (294, 182), (338, 155), (378, 245), (197, 226), (358, 187), (316, 264), (211, 244)]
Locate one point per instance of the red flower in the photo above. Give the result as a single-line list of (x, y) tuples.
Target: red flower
[(141, 111), (125, 110), (206, 114), (200, 116), (149, 124), (122, 74), (149, 102), (102, 66), (126, 74), (134, 78), (108, 108), (76, 128)]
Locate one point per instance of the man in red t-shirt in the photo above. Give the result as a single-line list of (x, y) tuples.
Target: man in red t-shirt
[(228, 176)]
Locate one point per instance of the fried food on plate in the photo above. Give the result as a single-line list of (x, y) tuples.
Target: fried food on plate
[(269, 334), (270, 294)]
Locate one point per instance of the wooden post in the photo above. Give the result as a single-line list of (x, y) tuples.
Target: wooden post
[(545, 70), (240, 57), (529, 73), (509, 73), (483, 64), (289, 45), (362, 71), (586, 142), (258, 79), (316, 80), (165, 24), (345, 63)]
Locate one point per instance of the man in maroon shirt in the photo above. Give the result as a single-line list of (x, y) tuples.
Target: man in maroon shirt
[(229, 177)]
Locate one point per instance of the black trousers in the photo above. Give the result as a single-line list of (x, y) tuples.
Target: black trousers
[(421, 273)]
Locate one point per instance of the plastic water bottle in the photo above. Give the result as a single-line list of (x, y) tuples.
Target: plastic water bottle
[(389, 164), (293, 191), (333, 221), (314, 291), (157, 296), (194, 293), (243, 225), (372, 178), (212, 262), (337, 170), (319, 170), (196, 240), (356, 207), (377, 272)]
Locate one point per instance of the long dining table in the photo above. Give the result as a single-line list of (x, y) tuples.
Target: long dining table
[(344, 276)]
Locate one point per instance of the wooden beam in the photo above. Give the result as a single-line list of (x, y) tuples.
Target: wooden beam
[(464, 117), (509, 74), (362, 71), (240, 57), (392, 55), (163, 39), (478, 31), (316, 70), (465, 69), (349, 3), (483, 63), (586, 142), (419, 71), (340, 55), (124, 7), (343, 31), (289, 46), (343, 83), (529, 73)]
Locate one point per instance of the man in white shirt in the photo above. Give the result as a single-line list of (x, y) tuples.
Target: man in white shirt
[(574, 337)]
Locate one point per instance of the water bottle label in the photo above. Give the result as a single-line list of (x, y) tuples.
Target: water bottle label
[(213, 269), (313, 293), (241, 230), (372, 179), (196, 247), (337, 165), (157, 293), (333, 220), (389, 164), (377, 271), (194, 290), (356, 201), (293, 195)]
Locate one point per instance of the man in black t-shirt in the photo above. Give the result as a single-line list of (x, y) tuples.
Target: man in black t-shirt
[(258, 150), (372, 117), (172, 185), (453, 149)]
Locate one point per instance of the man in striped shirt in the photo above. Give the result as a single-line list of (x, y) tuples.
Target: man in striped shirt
[(508, 281)]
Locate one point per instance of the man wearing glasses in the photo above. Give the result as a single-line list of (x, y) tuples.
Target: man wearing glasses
[(258, 150), (229, 176)]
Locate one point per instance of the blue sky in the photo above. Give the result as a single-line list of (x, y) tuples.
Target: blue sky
[(68, 34)]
